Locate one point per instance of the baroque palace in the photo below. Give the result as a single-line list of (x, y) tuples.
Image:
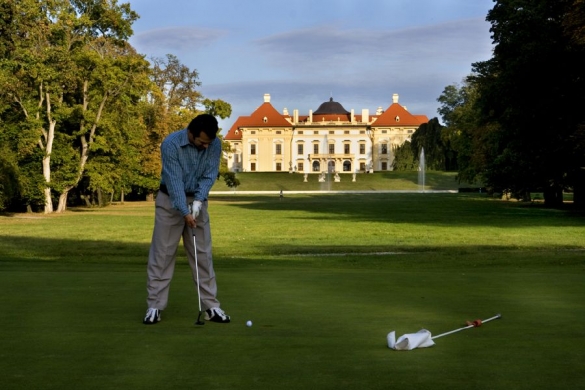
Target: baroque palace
[(330, 139)]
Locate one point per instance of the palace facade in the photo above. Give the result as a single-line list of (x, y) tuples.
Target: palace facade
[(330, 139)]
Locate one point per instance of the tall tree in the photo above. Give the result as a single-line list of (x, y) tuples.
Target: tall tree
[(530, 97), (404, 159), (461, 134), (116, 153), (429, 137), (217, 108), (172, 102), (9, 183), (68, 62)]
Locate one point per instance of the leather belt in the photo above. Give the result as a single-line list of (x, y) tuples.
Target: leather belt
[(164, 190)]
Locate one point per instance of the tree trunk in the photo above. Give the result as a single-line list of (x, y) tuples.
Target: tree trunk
[(553, 196), (122, 197), (86, 199), (579, 190), (48, 149), (48, 200), (525, 196), (46, 165), (63, 200)]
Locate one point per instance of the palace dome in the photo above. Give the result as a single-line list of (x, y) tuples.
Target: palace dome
[(331, 108)]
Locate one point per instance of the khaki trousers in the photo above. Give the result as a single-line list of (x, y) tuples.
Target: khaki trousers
[(169, 226)]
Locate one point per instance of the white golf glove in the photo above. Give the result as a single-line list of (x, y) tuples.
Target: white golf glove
[(195, 208)]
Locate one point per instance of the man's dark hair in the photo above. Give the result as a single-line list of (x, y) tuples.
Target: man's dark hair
[(204, 123)]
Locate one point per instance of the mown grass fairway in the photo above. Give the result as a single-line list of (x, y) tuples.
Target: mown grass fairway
[(323, 278)]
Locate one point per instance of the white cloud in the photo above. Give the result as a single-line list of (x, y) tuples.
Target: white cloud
[(328, 51), (359, 52), (361, 68), (175, 39)]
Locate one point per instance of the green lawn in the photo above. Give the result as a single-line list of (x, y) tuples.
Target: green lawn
[(391, 180), (324, 278)]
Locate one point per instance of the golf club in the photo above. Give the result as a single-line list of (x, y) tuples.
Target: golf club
[(198, 322), (473, 324)]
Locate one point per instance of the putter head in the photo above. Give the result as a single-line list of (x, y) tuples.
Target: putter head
[(199, 322)]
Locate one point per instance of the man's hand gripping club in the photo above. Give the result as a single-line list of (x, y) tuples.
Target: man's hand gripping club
[(195, 208)]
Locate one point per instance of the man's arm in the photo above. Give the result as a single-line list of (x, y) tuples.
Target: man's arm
[(172, 175), (210, 171)]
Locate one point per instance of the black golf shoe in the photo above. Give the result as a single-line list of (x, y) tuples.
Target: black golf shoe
[(215, 314), (152, 317)]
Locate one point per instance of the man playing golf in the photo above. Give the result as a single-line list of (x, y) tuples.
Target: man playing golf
[(190, 166)]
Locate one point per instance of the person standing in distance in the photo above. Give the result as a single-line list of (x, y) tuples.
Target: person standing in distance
[(190, 166)]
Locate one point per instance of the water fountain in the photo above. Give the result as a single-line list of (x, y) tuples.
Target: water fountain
[(421, 169), (325, 171)]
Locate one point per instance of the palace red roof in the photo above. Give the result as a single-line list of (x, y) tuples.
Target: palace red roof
[(267, 116)]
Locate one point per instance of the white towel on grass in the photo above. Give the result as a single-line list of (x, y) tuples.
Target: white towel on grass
[(420, 339)]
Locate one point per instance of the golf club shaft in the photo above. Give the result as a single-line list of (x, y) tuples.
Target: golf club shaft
[(197, 270), (466, 327)]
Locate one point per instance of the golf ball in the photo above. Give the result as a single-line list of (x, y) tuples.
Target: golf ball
[(249, 323)]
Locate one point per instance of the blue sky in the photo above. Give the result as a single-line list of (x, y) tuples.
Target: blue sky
[(302, 52)]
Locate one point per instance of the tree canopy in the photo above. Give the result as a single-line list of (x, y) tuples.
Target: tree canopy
[(516, 122), (530, 97), (80, 109)]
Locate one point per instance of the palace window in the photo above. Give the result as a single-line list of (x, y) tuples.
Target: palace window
[(384, 149), (278, 149), (331, 148), (279, 166), (346, 148), (362, 148), (253, 149), (300, 149), (331, 166), (315, 148)]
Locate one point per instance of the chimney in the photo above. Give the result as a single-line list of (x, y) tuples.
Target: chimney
[(365, 115), (310, 116), (395, 98), (379, 111), (266, 98), (285, 111), (352, 116), (295, 116)]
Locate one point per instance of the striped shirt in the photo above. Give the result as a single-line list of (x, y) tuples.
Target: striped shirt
[(187, 169)]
